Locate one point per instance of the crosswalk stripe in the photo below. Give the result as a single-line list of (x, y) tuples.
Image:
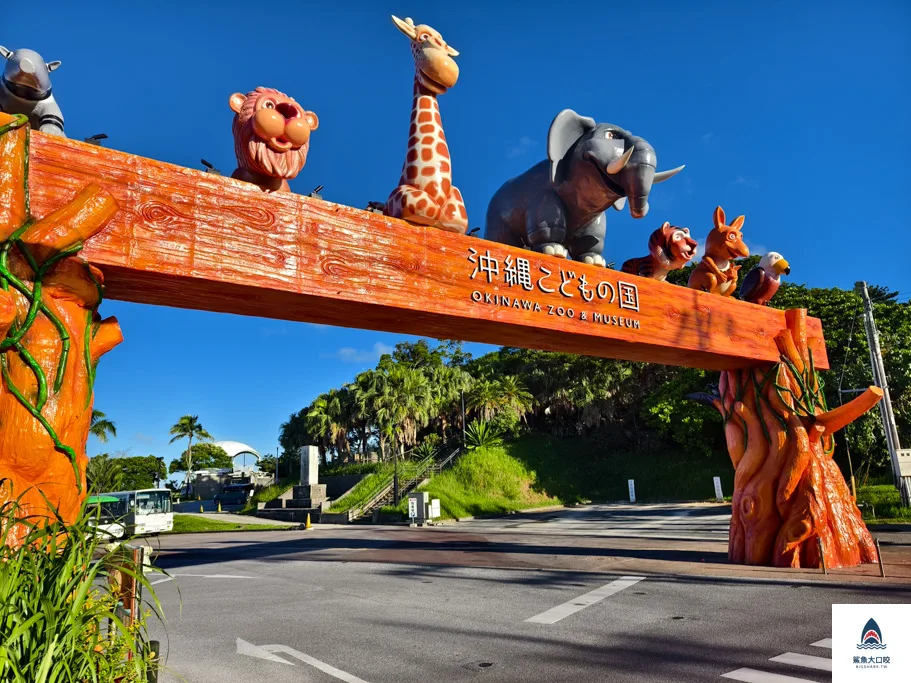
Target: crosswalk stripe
[(756, 676), (809, 661), (825, 642), (559, 612)]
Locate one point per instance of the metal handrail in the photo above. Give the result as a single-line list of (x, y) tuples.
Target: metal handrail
[(427, 464)]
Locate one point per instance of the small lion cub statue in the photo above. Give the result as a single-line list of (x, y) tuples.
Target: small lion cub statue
[(271, 138)]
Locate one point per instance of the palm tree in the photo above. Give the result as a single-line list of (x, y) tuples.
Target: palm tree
[(447, 385), (189, 428), (514, 397), (103, 474), (363, 393), (485, 399), (101, 426), (404, 404), (320, 422)]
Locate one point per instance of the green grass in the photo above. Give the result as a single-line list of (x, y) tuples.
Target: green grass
[(333, 470), (189, 524), (484, 481), (582, 469), (267, 494), (539, 470), (886, 501), (372, 484)]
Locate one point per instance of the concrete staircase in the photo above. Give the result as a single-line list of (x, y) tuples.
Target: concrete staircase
[(386, 496)]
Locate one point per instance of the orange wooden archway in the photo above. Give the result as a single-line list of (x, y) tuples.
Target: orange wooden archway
[(161, 234)]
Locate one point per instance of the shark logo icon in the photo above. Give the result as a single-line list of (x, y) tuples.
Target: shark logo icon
[(872, 638)]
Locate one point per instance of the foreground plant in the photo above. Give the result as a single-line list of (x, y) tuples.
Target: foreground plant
[(61, 603), (481, 434)]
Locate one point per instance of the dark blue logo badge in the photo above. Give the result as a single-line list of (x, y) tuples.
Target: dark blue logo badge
[(872, 638)]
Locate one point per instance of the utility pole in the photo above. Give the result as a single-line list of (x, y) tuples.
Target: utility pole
[(903, 484)]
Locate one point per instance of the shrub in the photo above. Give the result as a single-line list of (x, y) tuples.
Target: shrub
[(59, 616), (507, 425), (480, 434), (427, 449)]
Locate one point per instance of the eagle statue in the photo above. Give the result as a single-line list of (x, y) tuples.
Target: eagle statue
[(761, 283)]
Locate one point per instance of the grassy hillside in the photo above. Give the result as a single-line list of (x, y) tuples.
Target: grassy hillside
[(539, 470), (485, 481), (372, 484), (580, 469)]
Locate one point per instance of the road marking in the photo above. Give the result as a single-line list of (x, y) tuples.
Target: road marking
[(251, 650), (200, 576), (312, 661), (756, 676), (559, 612), (809, 661), (825, 642)]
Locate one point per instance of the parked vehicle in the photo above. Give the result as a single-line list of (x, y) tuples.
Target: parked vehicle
[(235, 494), (104, 515), (140, 512)]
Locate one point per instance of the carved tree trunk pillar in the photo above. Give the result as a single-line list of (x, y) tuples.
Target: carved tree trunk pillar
[(788, 491), (51, 336)]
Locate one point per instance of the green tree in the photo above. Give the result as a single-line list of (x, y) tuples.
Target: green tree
[(104, 474), (328, 419), (403, 405), (200, 457), (101, 427), (139, 471), (188, 427)]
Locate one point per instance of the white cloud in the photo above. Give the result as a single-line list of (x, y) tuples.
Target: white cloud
[(347, 354), (525, 144), (756, 249), (707, 138), (144, 438), (745, 182)]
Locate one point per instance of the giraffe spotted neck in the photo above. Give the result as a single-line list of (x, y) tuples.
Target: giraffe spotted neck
[(427, 163)]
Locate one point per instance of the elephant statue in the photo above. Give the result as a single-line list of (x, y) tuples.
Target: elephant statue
[(557, 207)]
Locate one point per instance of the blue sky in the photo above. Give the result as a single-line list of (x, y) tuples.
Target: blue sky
[(794, 116)]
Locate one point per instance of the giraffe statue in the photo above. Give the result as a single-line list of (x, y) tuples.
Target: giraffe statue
[(425, 194)]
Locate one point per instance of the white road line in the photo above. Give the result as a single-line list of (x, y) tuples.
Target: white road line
[(756, 676), (559, 612), (312, 661), (825, 642), (200, 576), (809, 661)]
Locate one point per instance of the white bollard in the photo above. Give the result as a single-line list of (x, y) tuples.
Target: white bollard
[(632, 491), (719, 495)]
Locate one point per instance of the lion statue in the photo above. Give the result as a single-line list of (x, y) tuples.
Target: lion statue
[(271, 138)]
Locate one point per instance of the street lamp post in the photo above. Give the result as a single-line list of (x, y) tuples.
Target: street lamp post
[(395, 479), (463, 418)]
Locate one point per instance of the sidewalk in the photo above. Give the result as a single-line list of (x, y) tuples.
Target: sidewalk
[(237, 519)]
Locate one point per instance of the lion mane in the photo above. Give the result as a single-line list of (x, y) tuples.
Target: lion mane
[(253, 154)]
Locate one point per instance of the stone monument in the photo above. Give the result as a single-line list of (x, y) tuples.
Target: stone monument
[(309, 494)]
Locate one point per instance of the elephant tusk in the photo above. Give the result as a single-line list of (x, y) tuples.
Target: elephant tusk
[(661, 176), (617, 164)]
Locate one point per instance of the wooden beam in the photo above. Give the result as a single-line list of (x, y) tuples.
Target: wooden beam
[(189, 239)]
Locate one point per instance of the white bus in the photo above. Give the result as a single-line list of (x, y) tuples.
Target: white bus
[(141, 512)]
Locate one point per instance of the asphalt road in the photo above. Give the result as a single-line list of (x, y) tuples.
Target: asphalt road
[(399, 605)]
